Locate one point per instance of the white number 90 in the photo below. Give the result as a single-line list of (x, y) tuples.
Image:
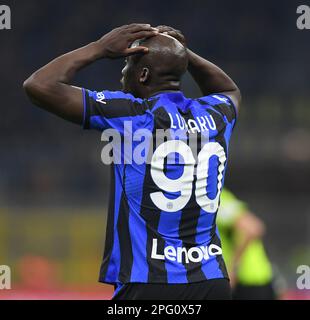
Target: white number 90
[(184, 184)]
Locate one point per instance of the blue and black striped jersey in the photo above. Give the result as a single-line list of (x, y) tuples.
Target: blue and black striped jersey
[(162, 212)]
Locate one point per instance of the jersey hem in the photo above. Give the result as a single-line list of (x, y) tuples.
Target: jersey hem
[(160, 282)]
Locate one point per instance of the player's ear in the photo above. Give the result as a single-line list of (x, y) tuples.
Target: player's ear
[(144, 76)]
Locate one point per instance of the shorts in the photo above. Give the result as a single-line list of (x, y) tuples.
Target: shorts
[(214, 289), (246, 292)]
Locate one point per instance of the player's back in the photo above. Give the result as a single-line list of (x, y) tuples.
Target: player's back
[(161, 226)]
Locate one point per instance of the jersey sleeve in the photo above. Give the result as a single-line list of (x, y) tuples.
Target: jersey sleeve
[(110, 109), (223, 105)]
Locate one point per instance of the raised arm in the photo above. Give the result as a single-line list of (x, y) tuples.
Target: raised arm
[(209, 77), (49, 87), (212, 79)]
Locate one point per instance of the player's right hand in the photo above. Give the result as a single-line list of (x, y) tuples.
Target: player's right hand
[(177, 34), (116, 44)]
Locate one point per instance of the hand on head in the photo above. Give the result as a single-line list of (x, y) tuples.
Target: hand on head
[(117, 43), (177, 34)]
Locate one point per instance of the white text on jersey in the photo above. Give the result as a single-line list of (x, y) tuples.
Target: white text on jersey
[(194, 254), (199, 124)]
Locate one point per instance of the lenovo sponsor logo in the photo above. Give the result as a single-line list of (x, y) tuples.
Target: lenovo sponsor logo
[(182, 254)]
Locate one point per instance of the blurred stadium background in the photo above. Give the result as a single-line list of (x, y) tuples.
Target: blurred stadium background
[(53, 186)]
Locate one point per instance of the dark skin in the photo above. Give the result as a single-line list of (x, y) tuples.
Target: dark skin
[(50, 89), (209, 77), (160, 69)]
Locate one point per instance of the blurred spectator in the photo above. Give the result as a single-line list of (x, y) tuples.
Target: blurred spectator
[(243, 250)]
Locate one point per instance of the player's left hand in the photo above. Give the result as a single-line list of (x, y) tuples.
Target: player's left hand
[(177, 34), (115, 44)]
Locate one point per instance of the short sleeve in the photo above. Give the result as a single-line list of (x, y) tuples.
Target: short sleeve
[(221, 104), (110, 109)]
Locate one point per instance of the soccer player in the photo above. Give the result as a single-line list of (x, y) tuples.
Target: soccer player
[(162, 241), (243, 249)]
